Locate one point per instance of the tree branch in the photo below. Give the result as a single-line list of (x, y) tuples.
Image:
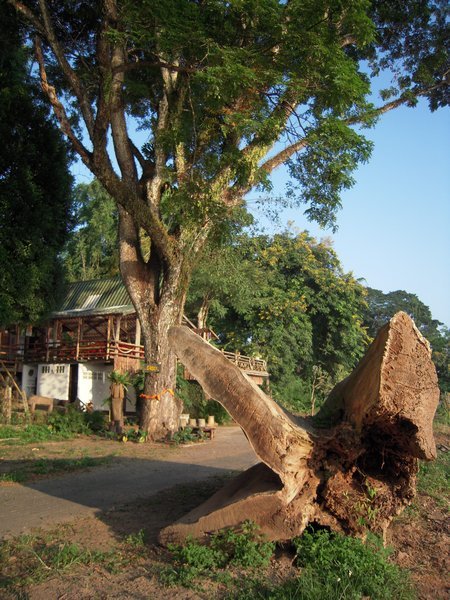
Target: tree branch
[(59, 109), (29, 16), (67, 69)]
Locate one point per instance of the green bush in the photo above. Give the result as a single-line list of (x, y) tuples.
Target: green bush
[(337, 566), (95, 420), (245, 548), (69, 423), (294, 394)]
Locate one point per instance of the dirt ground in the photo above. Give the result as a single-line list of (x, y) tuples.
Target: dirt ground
[(420, 537)]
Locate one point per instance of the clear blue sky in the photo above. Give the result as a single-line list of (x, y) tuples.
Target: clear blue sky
[(394, 227)]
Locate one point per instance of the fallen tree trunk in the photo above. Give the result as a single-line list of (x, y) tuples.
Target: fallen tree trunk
[(352, 467)]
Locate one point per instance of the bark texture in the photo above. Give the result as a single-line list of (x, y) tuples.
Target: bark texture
[(352, 467)]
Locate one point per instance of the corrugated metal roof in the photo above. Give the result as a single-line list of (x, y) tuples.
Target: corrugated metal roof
[(97, 296)]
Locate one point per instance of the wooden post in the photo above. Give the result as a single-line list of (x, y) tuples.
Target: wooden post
[(137, 339), (6, 404), (117, 334), (47, 344), (77, 351), (108, 335)]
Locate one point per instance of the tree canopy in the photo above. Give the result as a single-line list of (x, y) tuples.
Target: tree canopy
[(35, 187)]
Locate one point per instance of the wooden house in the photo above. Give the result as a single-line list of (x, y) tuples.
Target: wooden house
[(94, 331)]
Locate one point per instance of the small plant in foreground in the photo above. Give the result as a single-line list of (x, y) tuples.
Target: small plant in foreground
[(228, 548), (136, 540)]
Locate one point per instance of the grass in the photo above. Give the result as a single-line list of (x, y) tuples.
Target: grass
[(31, 559), (45, 466), (434, 479), (29, 434)]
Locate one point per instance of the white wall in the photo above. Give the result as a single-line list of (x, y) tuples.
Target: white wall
[(53, 381), (29, 379), (93, 384)]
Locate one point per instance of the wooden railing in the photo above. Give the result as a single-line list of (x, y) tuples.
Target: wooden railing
[(103, 350), (72, 352), (246, 363)]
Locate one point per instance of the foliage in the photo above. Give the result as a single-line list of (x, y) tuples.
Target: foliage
[(30, 433), (92, 250), (300, 311), (194, 401), (336, 567), (95, 420), (59, 426), (35, 187), (347, 567), (120, 378), (381, 308), (136, 540), (67, 424), (187, 435), (245, 548)]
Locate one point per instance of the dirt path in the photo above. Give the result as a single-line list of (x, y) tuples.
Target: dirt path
[(61, 499)]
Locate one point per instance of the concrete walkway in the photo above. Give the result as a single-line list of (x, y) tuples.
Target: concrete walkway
[(61, 499)]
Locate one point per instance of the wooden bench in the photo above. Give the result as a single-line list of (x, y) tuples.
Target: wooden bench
[(34, 401)]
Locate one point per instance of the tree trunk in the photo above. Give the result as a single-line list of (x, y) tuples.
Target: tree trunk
[(160, 408), (352, 467), (117, 396)]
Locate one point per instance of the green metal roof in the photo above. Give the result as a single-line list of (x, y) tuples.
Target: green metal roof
[(97, 296)]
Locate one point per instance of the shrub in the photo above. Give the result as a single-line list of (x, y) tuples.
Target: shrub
[(336, 566), (245, 548), (69, 423), (95, 420)]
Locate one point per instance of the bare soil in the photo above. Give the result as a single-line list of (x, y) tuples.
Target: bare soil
[(420, 538)]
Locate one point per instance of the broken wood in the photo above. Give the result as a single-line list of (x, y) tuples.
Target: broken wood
[(352, 467)]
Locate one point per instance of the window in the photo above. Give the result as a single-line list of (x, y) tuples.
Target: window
[(46, 369), (60, 369), (94, 375)]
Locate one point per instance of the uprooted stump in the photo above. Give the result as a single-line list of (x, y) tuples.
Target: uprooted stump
[(352, 467)]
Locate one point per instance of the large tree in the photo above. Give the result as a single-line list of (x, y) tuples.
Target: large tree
[(35, 187), (226, 91)]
